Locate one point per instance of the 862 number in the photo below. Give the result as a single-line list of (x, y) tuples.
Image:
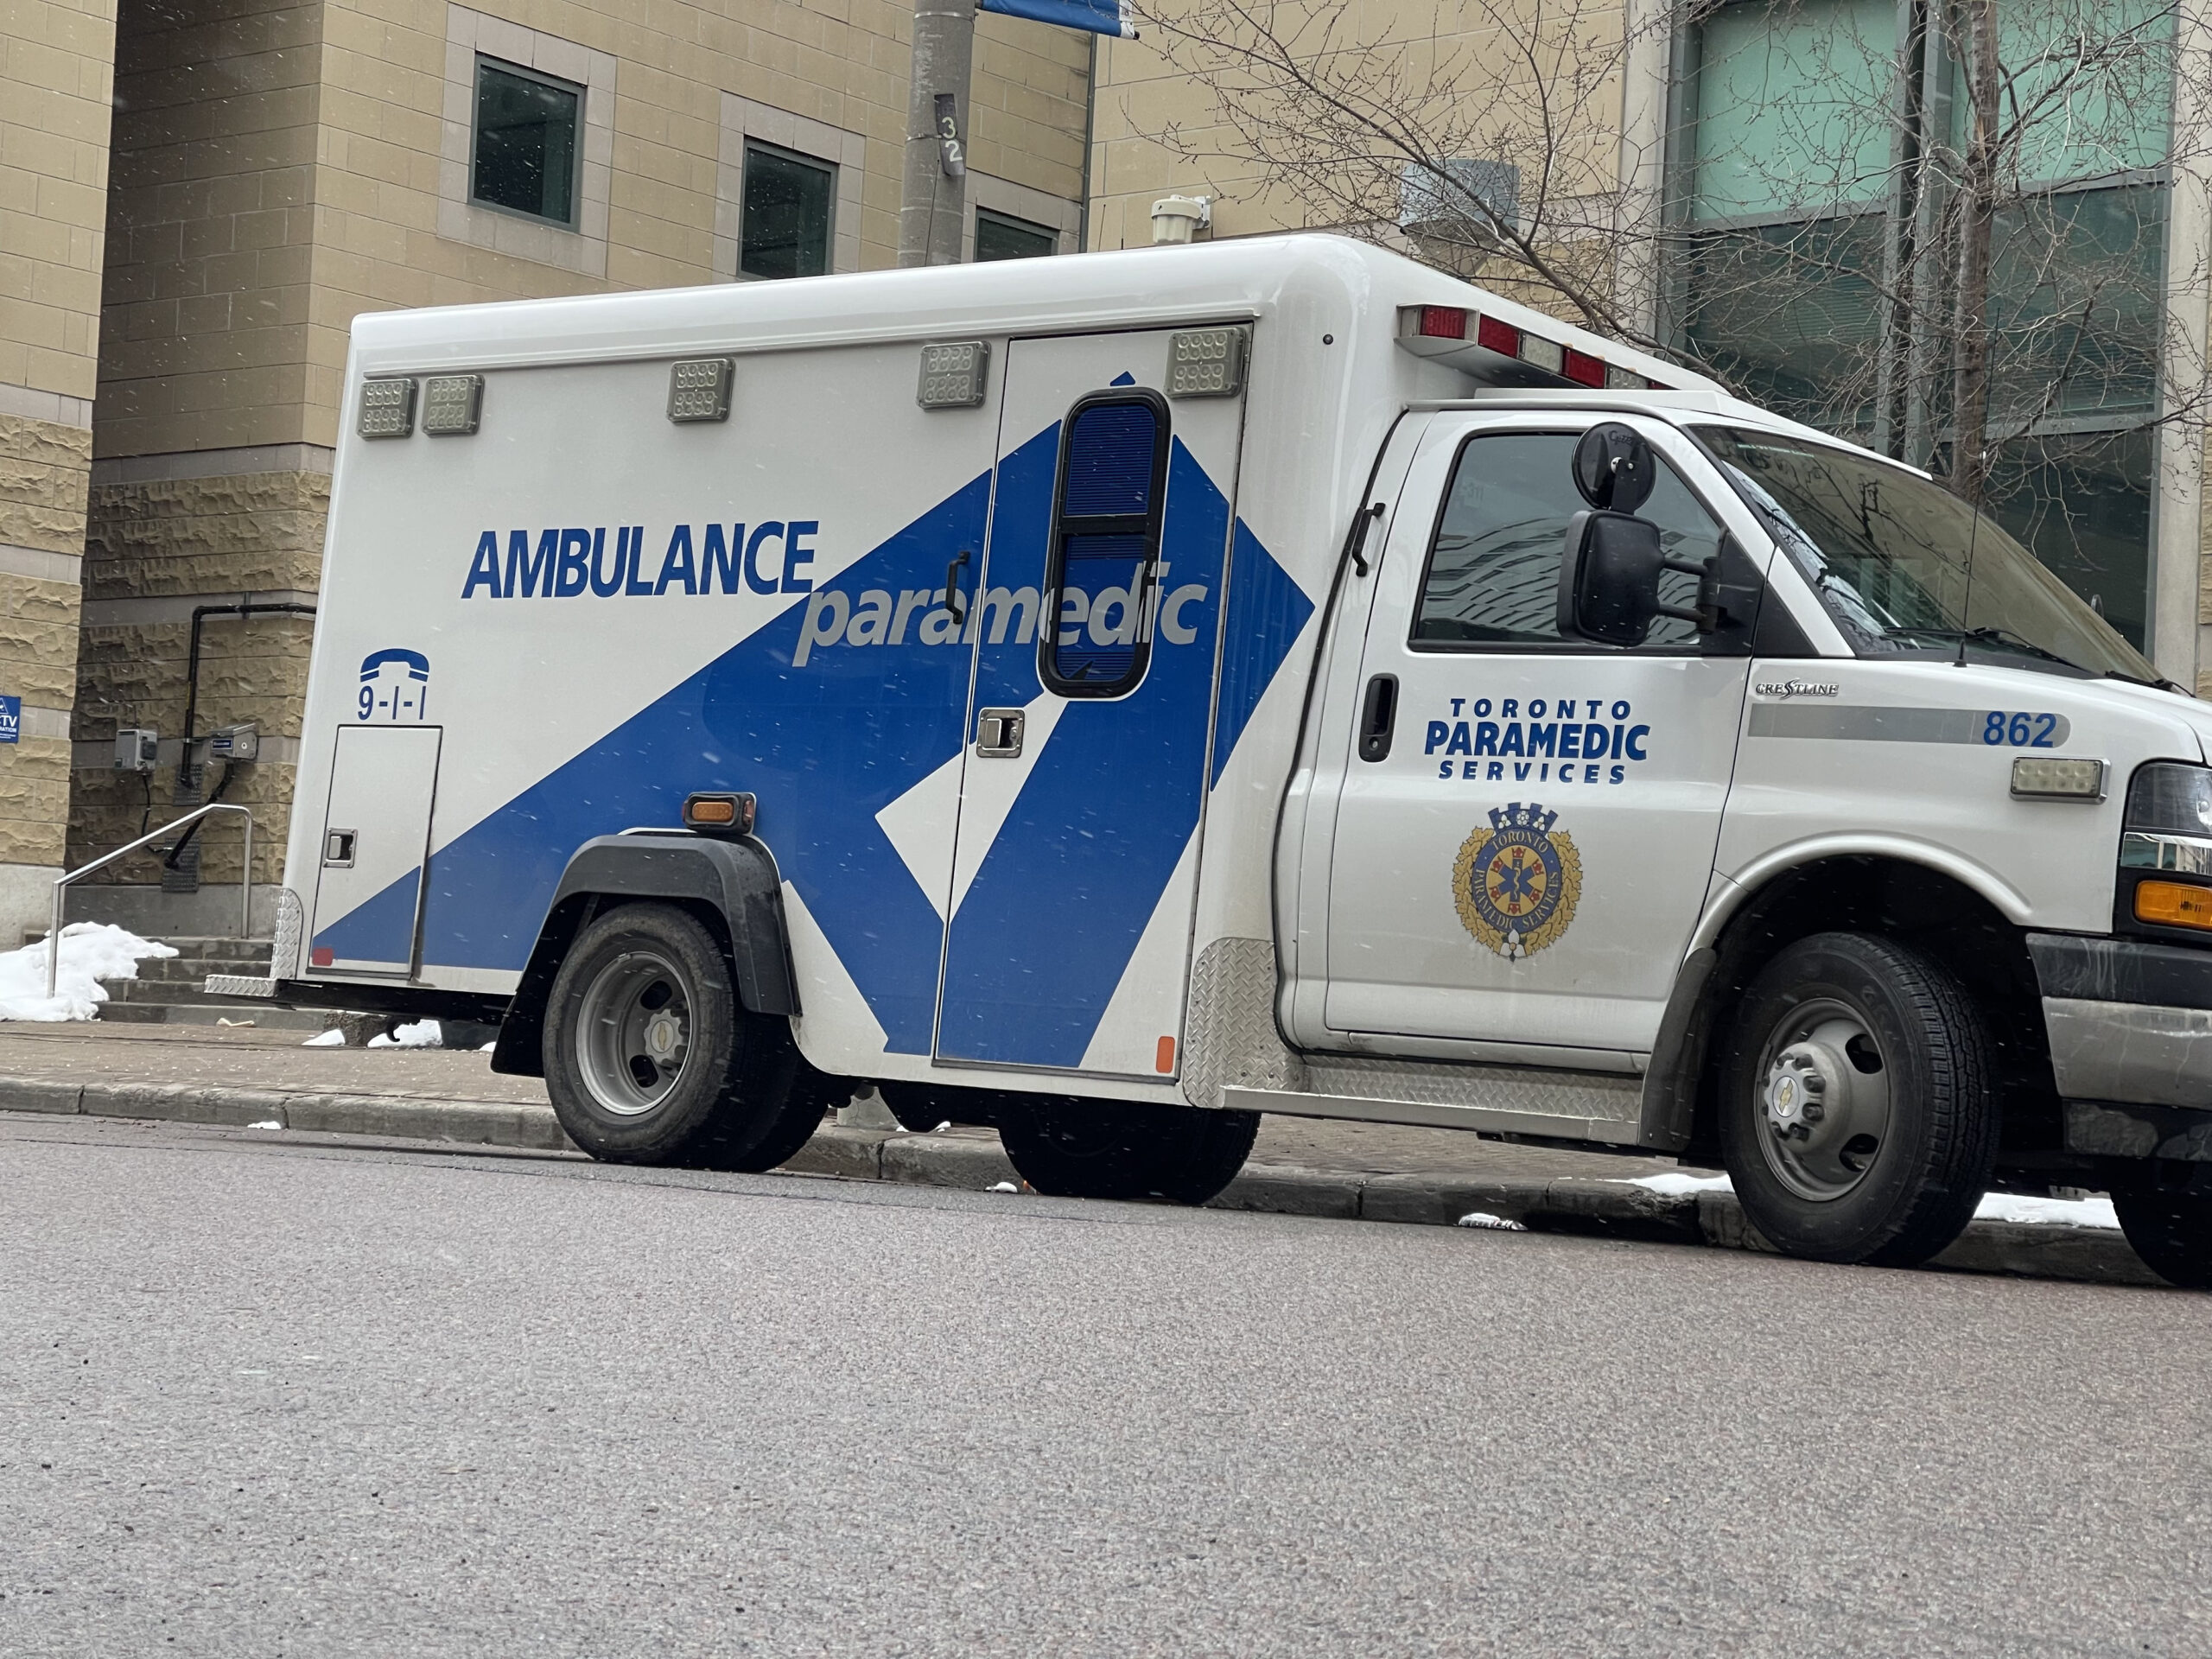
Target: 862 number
[(2019, 731)]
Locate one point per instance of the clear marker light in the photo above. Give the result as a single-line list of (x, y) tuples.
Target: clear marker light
[(452, 404), (1205, 363), (387, 407), (2050, 778), (955, 374), (698, 390)]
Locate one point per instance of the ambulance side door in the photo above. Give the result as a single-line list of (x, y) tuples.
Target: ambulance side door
[(1526, 828)]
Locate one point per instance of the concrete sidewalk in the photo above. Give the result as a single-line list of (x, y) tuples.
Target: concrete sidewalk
[(245, 1076)]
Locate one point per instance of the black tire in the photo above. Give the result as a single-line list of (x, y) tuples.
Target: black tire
[(2172, 1231), (646, 992), (808, 1096), (1885, 1164), (1076, 1148), (920, 1107)]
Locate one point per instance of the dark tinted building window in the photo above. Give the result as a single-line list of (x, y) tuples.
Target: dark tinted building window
[(526, 132), (998, 236), (788, 201)]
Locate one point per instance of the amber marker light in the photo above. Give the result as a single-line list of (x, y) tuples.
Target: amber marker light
[(719, 814), (2174, 904)]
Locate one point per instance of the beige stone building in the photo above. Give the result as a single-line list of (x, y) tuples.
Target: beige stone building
[(175, 305), (56, 60)]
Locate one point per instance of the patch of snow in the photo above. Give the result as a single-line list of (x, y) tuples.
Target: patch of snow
[(266, 1123), (1673, 1184), (1994, 1206), (489, 1046), (331, 1039), (91, 951), (943, 1127), (1494, 1224), (2051, 1213), (423, 1033), (1003, 1186)]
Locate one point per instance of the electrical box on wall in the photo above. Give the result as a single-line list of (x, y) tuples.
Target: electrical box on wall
[(135, 748), (236, 743)]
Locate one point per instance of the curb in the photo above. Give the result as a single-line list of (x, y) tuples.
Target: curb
[(1562, 1203)]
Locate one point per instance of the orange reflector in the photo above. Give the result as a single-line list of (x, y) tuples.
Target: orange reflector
[(2174, 904), (719, 811), (1164, 1059)]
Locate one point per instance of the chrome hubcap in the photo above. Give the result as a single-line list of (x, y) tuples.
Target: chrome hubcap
[(635, 1031), (1824, 1100)]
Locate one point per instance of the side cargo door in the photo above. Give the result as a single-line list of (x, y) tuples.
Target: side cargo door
[(368, 899), (1095, 622), (1524, 858)]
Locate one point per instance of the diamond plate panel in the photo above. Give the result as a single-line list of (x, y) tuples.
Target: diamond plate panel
[(1501, 1088), (1232, 1040)]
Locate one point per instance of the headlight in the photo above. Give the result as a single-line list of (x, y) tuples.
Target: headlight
[(2168, 829), (2172, 800)]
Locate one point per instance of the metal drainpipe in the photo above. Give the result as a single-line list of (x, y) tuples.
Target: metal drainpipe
[(180, 868)]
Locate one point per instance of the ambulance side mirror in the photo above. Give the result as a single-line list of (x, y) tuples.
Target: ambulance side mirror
[(1608, 579)]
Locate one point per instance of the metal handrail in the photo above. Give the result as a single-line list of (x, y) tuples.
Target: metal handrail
[(245, 880)]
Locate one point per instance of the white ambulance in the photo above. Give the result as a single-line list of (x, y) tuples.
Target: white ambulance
[(1111, 697)]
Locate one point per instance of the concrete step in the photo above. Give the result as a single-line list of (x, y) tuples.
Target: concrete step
[(208, 1013), (193, 970), (241, 1014), (230, 950), (139, 993)]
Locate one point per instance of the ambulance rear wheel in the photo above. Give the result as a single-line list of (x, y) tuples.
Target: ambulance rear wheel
[(648, 1058), (1107, 1149), (1857, 1119), (2171, 1230)]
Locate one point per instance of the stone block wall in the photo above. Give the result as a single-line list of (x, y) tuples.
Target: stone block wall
[(57, 59), (158, 545), (44, 466), (210, 225)]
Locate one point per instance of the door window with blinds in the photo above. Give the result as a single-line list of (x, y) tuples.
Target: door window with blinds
[(1493, 570)]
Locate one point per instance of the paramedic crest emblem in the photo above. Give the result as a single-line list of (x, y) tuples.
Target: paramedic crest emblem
[(1517, 883)]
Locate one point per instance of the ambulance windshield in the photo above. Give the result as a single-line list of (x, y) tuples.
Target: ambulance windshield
[(1890, 552)]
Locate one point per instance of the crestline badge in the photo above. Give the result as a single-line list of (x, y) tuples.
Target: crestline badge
[(1517, 883)]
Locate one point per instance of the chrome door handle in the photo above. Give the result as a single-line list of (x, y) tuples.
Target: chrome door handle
[(998, 734)]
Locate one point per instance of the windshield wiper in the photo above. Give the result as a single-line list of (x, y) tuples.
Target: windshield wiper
[(2000, 637), (2156, 686)]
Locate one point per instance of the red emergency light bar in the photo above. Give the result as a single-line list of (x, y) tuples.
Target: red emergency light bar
[(1494, 335)]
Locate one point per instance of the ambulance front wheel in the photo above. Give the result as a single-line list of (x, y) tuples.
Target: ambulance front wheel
[(649, 1059), (1109, 1149), (2170, 1228), (1857, 1120)]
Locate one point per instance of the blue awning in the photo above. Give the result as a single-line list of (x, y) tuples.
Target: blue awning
[(1099, 16)]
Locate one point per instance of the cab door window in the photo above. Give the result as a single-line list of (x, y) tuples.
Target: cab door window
[(1492, 577)]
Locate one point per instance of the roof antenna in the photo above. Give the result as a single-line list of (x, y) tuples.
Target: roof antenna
[(1966, 603)]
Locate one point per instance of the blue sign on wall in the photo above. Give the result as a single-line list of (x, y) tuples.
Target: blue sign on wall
[(12, 719), (1099, 16)]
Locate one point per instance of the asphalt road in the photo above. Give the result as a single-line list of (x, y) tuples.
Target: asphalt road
[(259, 1395)]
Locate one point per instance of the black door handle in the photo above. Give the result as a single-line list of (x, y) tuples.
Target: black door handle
[(1378, 715), (952, 588)]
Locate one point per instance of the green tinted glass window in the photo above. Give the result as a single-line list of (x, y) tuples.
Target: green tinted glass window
[(526, 153), (1791, 113), (789, 203)]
